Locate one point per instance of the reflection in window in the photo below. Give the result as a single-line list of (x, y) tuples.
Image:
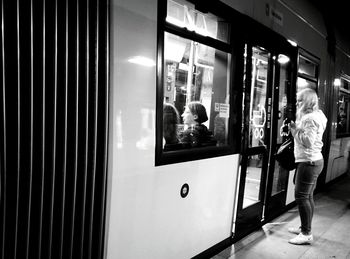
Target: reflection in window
[(279, 182), (196, 87), (253, 179), (284, 107), (307, 67), (182, 14), (280, 175), (303, 83), (258, 97), (343, 117)]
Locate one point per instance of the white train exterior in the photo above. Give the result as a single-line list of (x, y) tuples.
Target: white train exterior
[(146, 216)]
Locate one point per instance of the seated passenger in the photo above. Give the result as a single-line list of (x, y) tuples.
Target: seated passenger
[(171, 119), (196, 134)]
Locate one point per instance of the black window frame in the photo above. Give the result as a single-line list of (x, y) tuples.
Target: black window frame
[(235, 49)]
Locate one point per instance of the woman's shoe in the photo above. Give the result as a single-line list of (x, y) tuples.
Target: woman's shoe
[(301, 239), (296, 231)]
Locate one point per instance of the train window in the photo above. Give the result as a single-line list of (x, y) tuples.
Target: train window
[(343, 108), (308, 68), (194, 111), (196, 92)]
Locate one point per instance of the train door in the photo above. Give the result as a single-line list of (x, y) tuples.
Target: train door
[(267, 102)]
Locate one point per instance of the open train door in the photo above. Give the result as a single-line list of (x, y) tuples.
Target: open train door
[(269, 98)]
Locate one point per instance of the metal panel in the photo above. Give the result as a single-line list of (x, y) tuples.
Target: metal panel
[(54, 102)]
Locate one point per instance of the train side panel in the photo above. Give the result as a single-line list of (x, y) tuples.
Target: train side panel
[(148, 218)]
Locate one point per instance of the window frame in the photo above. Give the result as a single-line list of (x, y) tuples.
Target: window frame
[(233, 136)]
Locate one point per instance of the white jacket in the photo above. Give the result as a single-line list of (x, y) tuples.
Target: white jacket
[(308, 136)]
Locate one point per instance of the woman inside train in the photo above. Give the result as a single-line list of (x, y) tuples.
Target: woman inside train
[(307, 132), (196, 134), (171, 120)]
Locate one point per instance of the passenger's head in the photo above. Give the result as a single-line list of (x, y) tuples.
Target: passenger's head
[(194, 113), (171, 118), (307, 101)]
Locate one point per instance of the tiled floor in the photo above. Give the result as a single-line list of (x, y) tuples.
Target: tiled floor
[(331, 230)]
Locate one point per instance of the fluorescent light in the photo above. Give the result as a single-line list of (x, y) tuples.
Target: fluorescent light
[(143, 61)]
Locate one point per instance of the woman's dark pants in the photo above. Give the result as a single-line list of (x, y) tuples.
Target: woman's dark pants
[(305, 183)]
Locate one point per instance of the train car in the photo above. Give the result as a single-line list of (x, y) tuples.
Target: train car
[(149, 128), (243, 61)]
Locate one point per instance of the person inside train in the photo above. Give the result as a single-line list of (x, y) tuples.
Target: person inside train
[(307, 132), (196, 134), (171, 120)]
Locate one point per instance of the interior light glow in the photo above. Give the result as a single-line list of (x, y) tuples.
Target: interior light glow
[(301, 82), (143, 61), (175, 22), (337, 82), (283, 59), (293, 43)]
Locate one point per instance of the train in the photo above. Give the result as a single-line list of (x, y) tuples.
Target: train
[(245, 61), (106, 163)]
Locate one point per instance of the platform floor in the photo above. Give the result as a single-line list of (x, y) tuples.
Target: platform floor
[(330, 227)]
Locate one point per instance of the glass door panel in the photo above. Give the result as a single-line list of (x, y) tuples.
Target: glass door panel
[(252, 181), (255, 156), (258, 91), (267, 103), (277, 184), (280, 175)]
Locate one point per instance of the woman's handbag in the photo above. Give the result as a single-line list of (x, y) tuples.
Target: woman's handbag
[(285, 155)]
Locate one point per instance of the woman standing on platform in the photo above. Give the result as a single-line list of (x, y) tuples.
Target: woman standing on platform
[(307, 132)]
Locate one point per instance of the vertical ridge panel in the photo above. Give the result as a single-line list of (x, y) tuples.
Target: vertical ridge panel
[(94, 147), (104, 160), (53, 175), (54, 136), (65, 136), (4, 157), (75, 172), (18, 132), (86, 127), (42, 183), (31, 129), (3, 163)]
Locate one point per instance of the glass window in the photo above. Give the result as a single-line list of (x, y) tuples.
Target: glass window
[(307, 67), (196, 94), (195, 116), (343, 116), (258, 115), (252, 181)]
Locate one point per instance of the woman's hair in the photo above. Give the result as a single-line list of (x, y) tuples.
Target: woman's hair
[(198, 109), (309, 100), (171, 119)]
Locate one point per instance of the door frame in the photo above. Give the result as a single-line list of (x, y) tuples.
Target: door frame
[(247, 220)]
